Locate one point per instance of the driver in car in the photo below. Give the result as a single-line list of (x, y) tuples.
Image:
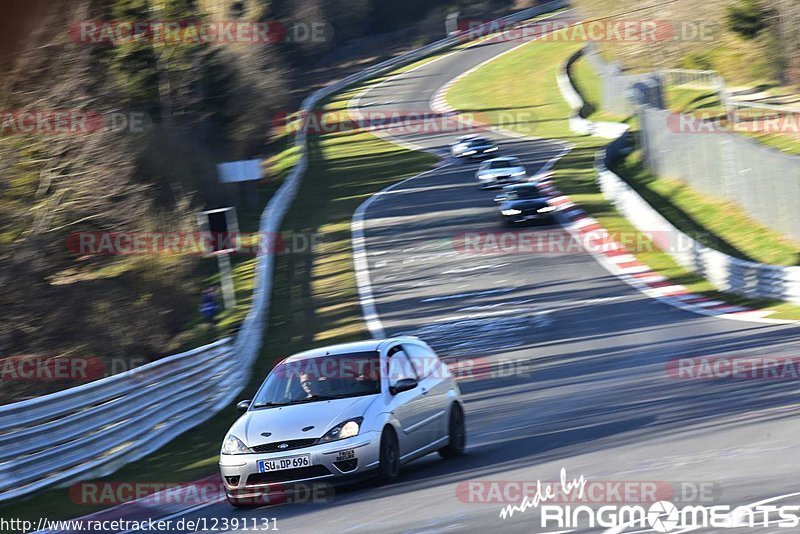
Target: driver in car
[(310, 385)]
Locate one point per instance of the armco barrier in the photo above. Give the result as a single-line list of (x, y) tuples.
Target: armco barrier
[(577, 123), (726, 273), (94, 429)]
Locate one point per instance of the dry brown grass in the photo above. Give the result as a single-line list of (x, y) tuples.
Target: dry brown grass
[(738, 60)]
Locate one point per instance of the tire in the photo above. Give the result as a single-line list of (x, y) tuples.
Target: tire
[(389, 465), (457, 431)]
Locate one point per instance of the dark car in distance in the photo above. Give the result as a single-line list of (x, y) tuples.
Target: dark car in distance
[(474, 148), (524, 204)]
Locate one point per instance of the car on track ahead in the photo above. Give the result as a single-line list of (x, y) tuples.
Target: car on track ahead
[(473, 147), (501, 171), (524, 204), (460, 145), (343, 412)]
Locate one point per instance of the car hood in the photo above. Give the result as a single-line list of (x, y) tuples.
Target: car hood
[(288, 422), (527, 204)]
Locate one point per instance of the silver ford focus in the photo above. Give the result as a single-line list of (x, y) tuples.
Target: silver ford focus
[(346, 411)]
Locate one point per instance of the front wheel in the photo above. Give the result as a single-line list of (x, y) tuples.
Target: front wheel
[(457, 441), (389, 466)]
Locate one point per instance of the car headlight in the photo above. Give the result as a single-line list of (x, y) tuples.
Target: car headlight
[(546, 209), (494, 148), (469, 152), (511, 212), (347, 429), (519, 173), (233, 445)]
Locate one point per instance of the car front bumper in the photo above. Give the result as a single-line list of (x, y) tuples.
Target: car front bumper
[(481, 154), (487, 182), (536, 218), (329, 462)]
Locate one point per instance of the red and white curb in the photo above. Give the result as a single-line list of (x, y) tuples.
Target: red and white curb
[(623, 264)]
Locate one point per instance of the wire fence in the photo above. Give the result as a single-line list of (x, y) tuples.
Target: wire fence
[(765, 182), (621, 91), (714, 152)]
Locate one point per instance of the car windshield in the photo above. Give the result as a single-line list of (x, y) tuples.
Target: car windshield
[(479, 142), (324, 378), (504, 164), (522, 193)]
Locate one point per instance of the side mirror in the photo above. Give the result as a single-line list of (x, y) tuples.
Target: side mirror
[(243, 406), (403, 385)]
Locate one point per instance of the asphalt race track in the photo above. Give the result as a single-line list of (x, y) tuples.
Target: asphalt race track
[(592, 394)]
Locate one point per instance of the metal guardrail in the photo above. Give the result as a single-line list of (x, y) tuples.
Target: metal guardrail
[(94, 429), (726, 273), (709, 79), (577, 122)]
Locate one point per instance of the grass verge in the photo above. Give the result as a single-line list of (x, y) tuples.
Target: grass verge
[(502, 86)]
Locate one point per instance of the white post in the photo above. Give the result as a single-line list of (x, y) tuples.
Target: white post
[(226, 280), (451, 22)]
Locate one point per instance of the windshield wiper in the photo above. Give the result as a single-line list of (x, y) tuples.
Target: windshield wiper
[(271, 404), (315, 398)]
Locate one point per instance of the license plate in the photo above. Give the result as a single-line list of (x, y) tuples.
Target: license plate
[(346, 455), (281, 464)]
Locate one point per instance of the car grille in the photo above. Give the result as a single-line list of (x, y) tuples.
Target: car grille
[(288, 475), (346, 465), (292, 444), (531, 211)]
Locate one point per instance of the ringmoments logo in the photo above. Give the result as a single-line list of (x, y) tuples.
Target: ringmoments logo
[(660, 516)]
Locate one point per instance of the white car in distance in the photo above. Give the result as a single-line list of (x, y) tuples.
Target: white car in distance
[(499, 172)]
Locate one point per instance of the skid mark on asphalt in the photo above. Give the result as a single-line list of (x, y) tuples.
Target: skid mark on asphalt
[(470, 334), (472, 294), (476, 268)]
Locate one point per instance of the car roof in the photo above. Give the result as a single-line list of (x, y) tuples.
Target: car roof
[(370, 345)]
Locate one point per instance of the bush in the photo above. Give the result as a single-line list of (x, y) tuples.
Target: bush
[(747, 18)]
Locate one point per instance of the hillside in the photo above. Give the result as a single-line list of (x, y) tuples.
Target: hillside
[(704, 37)]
